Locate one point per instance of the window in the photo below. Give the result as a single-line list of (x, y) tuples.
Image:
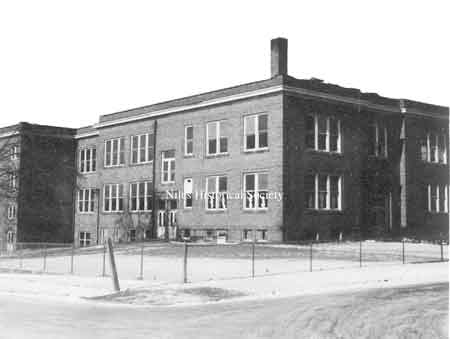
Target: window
[(168, 167), (261, 235), (87, 160), (141, 148), (188, 192), (247, 235), (115, 152), (12, 211), (378, 140), (15, 152), (85, 239), (188, 140), (323, 133), (132, 235), (86, 200), (12, 180), (323, 192), (141, 198), (113, 198), (217, 142), (256, 134), (256, 191), (433, 148), (216, 189), (438, 198)]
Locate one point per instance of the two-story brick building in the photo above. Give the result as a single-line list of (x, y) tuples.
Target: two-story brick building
[(277, 159)]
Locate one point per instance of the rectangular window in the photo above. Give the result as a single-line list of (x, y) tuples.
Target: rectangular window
[(86, 200), (188, 187), (217, 140), (15, 152), (87, 160), (256, 188), (132, 235), (113, 198), (141, 198), (216, 189), (12, 211), (141, 148), (442, 149), (433, 148), (438, 198), (256, 132), (323, 192), (168, 167), (378, 143), (85, 239), (247, 235), (323, 133), (424, 149), (188, 140), (12, 180), (115, 152), (261, 235)]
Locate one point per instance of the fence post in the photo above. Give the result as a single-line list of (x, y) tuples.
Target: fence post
[(20, 255), (403, 250), (141, 273), (360, 252), (185, 262), (442, 251), (310, 256), (112, 261), (253, 258), (44, 268), (72, 253), (104, 261)]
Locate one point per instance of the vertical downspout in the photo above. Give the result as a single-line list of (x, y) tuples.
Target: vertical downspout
[(403, 170), (154, 226)]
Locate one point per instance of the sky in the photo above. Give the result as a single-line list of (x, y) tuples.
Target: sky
[(64, 63)]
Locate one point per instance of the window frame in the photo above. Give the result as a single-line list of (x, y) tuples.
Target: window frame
[(148, 147), (170, 170), (191, 198), (377, 125), (217, 193), (86, 198), (315, 132), (433, 138), (328, 191), (120, 152), (218, 129), (14, 152), (256, 131), (84, 240), (440, 193), (188, 141), (148, 194), (256, 191), (83, 160), (12, 211), (118, 197)]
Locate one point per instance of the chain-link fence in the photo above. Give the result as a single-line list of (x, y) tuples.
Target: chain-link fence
[(193, 262)]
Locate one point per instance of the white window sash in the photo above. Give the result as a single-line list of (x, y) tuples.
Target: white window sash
[(186, 140)]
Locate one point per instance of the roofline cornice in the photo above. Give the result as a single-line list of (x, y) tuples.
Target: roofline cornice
[(255, 93)]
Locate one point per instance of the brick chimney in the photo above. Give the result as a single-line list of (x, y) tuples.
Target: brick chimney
[(278, 56)]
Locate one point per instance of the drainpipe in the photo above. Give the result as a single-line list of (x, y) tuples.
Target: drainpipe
[(154, 211), (97, 192)]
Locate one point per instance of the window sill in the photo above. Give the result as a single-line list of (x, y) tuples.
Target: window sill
[(167, 182), (426, 162), (141, 163), (255, 210), (112, 212), (256, 150), (315, 151), (223, 210), (188, 156), (378, 157), (88, 173), (143, 211), (322, 211), (218, 155), (114, 166), (437, 213), (86, 213)]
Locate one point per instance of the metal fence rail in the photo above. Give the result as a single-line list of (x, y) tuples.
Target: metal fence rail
[(192, 262)]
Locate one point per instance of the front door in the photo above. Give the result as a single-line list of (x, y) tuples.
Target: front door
[(166, 221)]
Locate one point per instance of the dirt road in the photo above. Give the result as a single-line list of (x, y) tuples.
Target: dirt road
[(409, 312)]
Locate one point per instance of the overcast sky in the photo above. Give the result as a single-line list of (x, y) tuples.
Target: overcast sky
[(64, 63)]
